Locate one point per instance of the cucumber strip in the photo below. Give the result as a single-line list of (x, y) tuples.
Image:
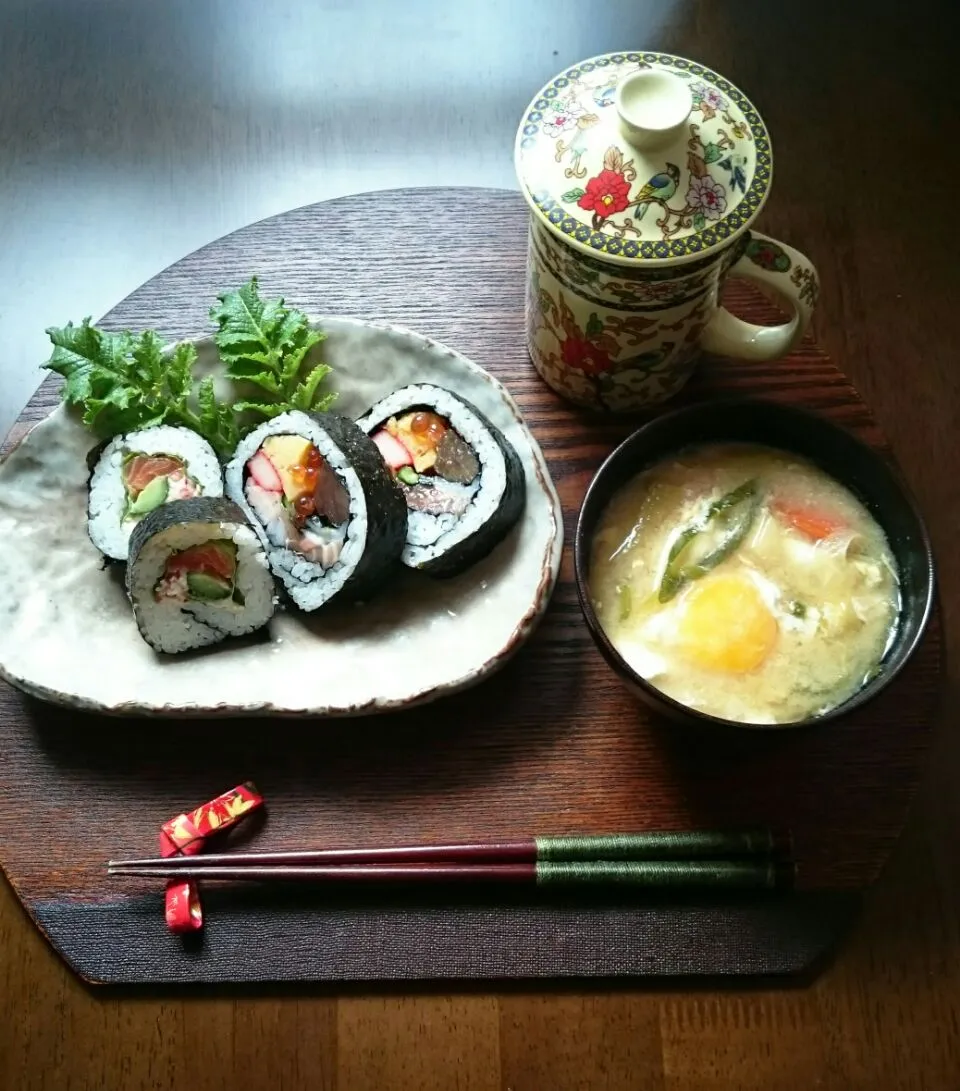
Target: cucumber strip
[(408, 475), (206, 588)]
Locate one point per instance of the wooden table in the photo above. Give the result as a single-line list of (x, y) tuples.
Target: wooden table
[(865, 184)]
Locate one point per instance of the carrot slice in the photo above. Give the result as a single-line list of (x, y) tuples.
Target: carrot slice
[(809, 521)]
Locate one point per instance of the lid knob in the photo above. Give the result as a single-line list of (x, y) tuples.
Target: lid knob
[(653, 106)]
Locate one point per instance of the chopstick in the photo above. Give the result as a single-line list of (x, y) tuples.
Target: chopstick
[(736, 859), (731, 874), (654, 845)]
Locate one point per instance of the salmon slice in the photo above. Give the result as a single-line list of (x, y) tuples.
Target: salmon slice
[(218, 558), (142, 469)]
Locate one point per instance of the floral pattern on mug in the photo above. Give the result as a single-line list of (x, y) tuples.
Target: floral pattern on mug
[(608, 193), (610, 285), (666, 292), (708, 100), (642, 386), (561, 117), (806, 280), (554, 147), (584, 355), (706, 195), (587, 363), (768, 255), (625, 262)]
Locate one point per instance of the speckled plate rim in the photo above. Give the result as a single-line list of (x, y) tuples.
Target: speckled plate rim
[(525, 625)]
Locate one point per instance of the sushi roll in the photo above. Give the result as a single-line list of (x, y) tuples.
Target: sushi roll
[(328, 512), (197, 575), (462, 482), (134, 474)]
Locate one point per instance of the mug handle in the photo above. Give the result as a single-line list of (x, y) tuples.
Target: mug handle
[(789, 274)]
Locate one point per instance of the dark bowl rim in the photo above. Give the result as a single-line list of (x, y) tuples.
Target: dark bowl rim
[(679, 711)]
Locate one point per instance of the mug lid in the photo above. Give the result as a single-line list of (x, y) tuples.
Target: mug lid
[(643, 157)]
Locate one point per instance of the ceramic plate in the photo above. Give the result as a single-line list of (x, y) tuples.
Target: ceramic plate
[(67, 632)]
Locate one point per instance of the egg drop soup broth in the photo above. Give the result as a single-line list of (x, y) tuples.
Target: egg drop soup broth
[(744, 582)]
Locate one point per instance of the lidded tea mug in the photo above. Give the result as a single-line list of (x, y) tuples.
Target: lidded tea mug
[(644, 173)]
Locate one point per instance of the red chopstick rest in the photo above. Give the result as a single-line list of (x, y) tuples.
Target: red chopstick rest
[(185, 836), (219, 814), (181, 907)]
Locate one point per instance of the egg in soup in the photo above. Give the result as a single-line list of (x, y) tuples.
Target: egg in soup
[(746, 583)]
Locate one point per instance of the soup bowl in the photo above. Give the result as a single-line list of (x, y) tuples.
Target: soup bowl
[(867, 473)]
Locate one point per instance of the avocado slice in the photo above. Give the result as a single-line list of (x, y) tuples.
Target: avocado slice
[(152, 496), (206, 588)]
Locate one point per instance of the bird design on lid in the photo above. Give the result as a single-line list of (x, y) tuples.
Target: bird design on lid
[(661, 187)]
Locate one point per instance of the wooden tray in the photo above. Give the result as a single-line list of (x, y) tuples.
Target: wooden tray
[(553, 744)]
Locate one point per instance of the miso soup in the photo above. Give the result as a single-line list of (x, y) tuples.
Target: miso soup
[(746, 583)]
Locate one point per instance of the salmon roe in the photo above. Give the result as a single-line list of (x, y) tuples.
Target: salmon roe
[(428, 425), (305, 474)]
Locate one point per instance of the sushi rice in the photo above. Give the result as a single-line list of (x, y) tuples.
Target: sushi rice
[(173, 626), (109, 528), (481, 512), (353, 558)]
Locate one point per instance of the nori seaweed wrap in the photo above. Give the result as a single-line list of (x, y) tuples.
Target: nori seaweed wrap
[(133, 474), (462, 481), (197, 575), (330, 516)]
